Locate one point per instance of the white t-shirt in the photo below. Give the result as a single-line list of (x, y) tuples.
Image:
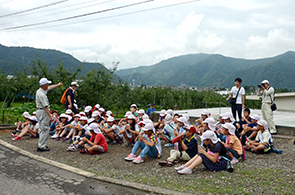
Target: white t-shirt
[(264, 137), (234, 91)]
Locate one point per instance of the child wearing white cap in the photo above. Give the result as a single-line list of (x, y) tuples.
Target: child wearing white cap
[(133, 109), (149, 143), (73, 126), (111, 130), (181, 127), (232, 144), (97, 144), (62, 122), (167, 134), (199, 122), (88, 111), (21, 124), (263, 143), (31, 128), (130, 131), (250, 130), (211, 159)]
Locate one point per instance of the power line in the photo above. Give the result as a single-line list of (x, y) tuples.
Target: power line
[(77, 16), (32, 9), (118, 15), (6, 1), (63, 11)]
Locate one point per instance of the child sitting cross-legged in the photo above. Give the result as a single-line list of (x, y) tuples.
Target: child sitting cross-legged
[(112, 132), (188, 148), (97, 143), (211, 159), (263, 143), (149, 143), (74, 125), (31, 127)]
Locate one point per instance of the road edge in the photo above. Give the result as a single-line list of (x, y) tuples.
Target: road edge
[(134, 185)]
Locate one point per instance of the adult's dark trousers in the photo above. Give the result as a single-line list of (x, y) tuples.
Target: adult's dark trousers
[(236, 108), (74, 109)]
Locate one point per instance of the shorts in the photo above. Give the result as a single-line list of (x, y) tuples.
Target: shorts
[(118, 138), (234, 152), (129, 134), (72, 130)]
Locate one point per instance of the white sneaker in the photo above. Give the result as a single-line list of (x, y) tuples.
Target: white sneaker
[(179, 168), (138, 160), (54, 136), (185, 171), (130, 157), (72, 148)]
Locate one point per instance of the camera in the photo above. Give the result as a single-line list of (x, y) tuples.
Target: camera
[(261, 85)]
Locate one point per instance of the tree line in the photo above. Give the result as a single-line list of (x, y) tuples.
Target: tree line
[(105, 88)]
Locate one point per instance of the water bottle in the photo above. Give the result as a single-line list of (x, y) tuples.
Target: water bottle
[(230, 167)]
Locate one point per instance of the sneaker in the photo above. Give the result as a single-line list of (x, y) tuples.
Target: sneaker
[(16, 131), (169, 164), (138, 160), (185, 171), (163, 163), (69, 141), (58, 138), (16, 138), (13, 135), (130, 157), (65, 139), (112, 143), (169, 145), (72, 148), (234, 161), (179, 168), (54, 136)]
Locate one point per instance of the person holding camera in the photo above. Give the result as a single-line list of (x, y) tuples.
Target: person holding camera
[(237, 95), (267, 93)]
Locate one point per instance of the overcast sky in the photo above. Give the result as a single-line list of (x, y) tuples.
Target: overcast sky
[(237, 28)]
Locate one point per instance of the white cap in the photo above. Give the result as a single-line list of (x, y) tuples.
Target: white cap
[(133, 105), (265, 81), (63, 116), (264, 124), (145, 117), (97, 106), (131, 117), (230, 127), (34, 112), (74, 83), (148, 126), (26, 115), (95, 113), (33, 118), (44, 81), (168, 119), (91, 120), (255, 117), (170, 111), (128, 113), (186, 116), (109, 113), (77, 115), (205, 112), (101, 109), (94, 127), (83, 118), (228, 115), (141, 111), (110, 119), (163, 112), (146, 121), (209, 135), (82, 114), (182, 120), (69, 111), (211, 123), (87, 109)]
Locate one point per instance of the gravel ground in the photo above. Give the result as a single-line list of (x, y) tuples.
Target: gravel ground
[(259, 174)]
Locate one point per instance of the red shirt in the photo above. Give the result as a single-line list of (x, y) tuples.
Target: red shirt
[(100, 140)]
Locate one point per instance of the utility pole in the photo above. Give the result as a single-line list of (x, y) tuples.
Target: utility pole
[(218, 84)]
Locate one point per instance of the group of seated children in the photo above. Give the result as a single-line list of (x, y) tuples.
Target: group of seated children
[(221, 142)]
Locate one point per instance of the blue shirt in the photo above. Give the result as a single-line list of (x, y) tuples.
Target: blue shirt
[(149, 110)]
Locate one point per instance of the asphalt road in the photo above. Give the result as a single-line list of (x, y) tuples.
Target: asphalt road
[(22, 175)]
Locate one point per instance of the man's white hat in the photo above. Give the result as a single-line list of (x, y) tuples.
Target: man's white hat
[(44, 81), (265, 81), (74, 83)]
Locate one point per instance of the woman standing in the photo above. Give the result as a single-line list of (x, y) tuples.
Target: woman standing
[(237, 94)]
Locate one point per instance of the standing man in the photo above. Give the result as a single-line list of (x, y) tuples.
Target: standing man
[(71, 94), (267, 94), (151, 109), (43, 113)]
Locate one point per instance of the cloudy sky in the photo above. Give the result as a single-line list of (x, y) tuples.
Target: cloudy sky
[(150, 31)]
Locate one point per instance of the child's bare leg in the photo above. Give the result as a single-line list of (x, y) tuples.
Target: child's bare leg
[(31, 132), (111, 136), (127, 138), (24, 131), (164, 138), (195, 163)]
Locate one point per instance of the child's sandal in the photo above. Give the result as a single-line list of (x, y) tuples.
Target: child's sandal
[(85, 151)]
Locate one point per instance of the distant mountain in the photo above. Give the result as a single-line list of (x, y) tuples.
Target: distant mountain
[(15, 58), (204, 70)]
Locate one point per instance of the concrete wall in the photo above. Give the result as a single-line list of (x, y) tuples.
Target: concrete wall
[(284, 101)]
